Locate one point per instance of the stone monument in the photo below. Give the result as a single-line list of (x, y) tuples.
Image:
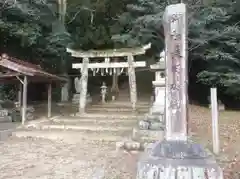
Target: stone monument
[(76, 95), (159, 86), (153, 124), (154, 120), (103, 92), (176, 156)]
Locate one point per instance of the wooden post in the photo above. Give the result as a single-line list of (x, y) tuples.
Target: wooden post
[(84, 81), (20, 94), (49, 110), (157, 78), (132, 82), (24, 105), (215, 130)]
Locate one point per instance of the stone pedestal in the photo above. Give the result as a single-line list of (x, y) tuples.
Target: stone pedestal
[(177, 159), (158, 107), (151, 122), (76, 97), (154, 120)]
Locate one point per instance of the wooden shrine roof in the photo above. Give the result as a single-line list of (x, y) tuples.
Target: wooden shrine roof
[(122, 52), (18, 67)]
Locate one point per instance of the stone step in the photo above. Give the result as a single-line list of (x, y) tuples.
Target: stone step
[(126, 103), (96, 109), (78, 127), (94, 123), (119, 115), (93, 117), (127, 93), (113, 105), (71, 136), (74, 120)]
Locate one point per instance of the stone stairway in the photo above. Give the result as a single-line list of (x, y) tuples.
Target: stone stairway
[(101, 122), (113, 121)]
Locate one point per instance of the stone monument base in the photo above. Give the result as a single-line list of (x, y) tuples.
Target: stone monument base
[(149, 135), (157, 109), (76, 97), (177, 159), (153, 123), (157, 116)]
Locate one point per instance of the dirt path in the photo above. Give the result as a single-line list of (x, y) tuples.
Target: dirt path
[(40, 159)]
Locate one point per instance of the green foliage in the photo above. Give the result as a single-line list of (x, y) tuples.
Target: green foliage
[(140, 24), (8, 92), (218, 36), (39, 31), (90, 22), (35, 26), (213, 38)]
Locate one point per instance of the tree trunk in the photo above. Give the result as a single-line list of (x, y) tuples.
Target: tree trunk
[(62, 8)]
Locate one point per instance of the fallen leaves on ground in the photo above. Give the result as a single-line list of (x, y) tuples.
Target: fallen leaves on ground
[(200, 124)]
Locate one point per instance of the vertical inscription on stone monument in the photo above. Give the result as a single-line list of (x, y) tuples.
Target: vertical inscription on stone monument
[(175, 89), (176, 76)]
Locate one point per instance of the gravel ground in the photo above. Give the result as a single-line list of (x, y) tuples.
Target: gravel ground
[(46, 159), (27, 158), (229, 131)]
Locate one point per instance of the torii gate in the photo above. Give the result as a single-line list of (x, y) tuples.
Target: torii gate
[(107, 54)]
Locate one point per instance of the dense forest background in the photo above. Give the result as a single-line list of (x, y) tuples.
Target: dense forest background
[(40, 30)]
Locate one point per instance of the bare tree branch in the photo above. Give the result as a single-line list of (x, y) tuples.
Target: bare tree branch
[(81, 9)]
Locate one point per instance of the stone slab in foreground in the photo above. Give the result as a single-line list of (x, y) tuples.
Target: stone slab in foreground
[(185, 159)]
